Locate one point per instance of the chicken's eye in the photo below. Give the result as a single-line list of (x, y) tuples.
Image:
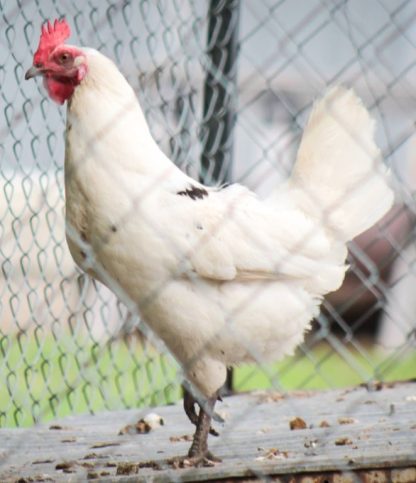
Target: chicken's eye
[(64, 57)]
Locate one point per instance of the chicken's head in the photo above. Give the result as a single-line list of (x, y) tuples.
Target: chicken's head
[(62, 66)]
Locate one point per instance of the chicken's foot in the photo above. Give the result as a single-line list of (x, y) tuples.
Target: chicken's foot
[(198, 454)]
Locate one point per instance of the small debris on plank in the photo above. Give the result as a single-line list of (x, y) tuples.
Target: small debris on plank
[(57, 427), (264, 430), (179, 439), (273, 453), (91, 456), (144, 425), (175, 463), (69, 440), (346, 420), (29, 479), (69, 470), (105, 444), (324, 424), (111, 464), (42, 462), (66, 466), (178, 462), (154, 420), (93, 475), (310, 443), (373, 385), (127, 468), (268, 397), (141, 427), (297, 423), (343, 441), (150, 464)]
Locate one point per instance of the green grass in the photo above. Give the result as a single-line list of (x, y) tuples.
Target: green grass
[(43, 378), (324, 368)]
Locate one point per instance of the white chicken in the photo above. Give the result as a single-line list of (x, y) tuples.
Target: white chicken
[(221, 276)]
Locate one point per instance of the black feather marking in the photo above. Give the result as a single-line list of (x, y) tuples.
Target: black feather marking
[(194, 193)]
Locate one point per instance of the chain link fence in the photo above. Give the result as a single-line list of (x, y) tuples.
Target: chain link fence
[(226, 90)]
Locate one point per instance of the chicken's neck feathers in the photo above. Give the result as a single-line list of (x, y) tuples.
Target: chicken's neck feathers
[(105, 123)]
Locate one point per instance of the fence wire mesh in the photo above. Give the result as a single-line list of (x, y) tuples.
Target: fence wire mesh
[(226, 96)]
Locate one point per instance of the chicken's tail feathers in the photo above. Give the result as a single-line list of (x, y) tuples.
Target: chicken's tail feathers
[(338, 175)]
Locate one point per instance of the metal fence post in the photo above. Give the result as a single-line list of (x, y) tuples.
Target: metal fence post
[(220, 89), (219, 100)]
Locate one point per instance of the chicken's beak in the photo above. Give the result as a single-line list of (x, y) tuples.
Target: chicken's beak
[(32, 72)]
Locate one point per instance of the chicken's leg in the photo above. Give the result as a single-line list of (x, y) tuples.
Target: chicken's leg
[(189, 403), (189, 406)]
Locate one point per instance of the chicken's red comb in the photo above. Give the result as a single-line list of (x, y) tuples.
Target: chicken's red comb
[(51, 36)]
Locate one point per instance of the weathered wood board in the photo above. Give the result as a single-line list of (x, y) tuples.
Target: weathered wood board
[(346, 430)]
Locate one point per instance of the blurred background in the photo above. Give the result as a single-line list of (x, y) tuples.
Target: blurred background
[(226, 87)]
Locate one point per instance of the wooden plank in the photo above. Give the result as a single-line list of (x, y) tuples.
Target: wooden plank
[(347, 430)]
